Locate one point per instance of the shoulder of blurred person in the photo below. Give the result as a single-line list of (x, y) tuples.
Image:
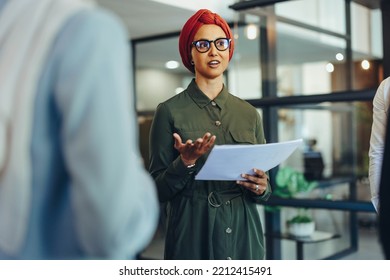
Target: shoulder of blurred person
[(381, 102), (384, 197), (84, 88)]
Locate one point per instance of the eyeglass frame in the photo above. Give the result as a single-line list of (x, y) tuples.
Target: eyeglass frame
[(209, 42)]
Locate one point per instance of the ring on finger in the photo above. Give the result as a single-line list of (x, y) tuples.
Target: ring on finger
[(257, 187)]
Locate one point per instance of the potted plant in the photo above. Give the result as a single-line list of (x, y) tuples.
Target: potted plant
[(301, 224), (292, 183)]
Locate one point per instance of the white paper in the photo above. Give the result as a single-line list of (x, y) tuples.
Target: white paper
[(228, 162)]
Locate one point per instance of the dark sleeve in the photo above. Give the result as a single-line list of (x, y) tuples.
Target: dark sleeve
[(166, 167)]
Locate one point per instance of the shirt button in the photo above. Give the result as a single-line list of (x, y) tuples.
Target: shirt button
[(228, 230), (213, 103), (229, 258), (217, 123)]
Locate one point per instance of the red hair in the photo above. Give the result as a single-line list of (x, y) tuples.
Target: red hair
[(192, 26)]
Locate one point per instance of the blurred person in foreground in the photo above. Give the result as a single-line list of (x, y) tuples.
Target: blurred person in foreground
[(381, 104), (72, 183), (384, 195), (207, 219)]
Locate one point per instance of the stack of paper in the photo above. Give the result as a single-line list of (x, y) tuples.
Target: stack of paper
[(228, 162)]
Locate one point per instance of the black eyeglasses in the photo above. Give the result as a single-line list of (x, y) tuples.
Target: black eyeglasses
[(202, 46)]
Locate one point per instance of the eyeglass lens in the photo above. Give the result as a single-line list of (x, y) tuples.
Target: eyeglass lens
[(204, 45)]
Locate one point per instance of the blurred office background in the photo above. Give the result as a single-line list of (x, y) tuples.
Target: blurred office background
[(311, 67)]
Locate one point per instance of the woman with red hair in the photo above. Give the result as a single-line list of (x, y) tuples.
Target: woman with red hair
[(207, 219)]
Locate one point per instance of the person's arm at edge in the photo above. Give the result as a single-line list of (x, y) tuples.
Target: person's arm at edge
[(377, 143), (114, 199)]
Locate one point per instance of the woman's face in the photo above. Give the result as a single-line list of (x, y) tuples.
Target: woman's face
[(212, 63)]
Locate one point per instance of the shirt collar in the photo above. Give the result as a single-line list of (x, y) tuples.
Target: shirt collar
[(202, 100)]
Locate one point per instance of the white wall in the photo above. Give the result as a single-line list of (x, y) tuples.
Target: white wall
[(155, 86), (245, 82)]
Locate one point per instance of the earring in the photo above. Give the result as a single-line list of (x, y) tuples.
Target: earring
[(192, 63)]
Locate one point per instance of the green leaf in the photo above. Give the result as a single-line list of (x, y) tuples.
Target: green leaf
[(300, 219), (283, 176), (290, 182)]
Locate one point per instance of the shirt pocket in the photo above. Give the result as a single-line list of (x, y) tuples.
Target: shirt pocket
[(243, 137)]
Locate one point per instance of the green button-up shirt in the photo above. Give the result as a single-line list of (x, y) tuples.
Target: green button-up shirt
[(206, 219)]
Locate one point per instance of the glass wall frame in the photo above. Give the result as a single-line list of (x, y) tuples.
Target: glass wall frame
[(347, 89)]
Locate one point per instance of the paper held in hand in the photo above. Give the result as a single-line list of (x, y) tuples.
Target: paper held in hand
[(228, 162)]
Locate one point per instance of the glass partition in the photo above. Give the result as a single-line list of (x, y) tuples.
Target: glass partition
[(315, 13), (159, 73), (336, 138), (306, 59), (244, 73)]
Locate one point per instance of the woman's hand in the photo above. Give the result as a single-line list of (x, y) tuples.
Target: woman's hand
[(190, 151), (256, 183)]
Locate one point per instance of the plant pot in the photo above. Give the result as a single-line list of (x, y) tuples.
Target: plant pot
[(301, 229)]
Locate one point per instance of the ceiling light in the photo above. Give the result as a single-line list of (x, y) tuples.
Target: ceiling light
[(329, 67), (172, 64), (339, 56), (251, 31), (365, 64)]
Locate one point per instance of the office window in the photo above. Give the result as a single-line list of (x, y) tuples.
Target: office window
[(316, 53), (155, 80), (336, 135), (306, 60), (315, 13), (244, 73)]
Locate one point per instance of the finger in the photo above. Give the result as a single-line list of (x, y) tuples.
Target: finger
[(251, 178), (189, 142), (177, 140), (212, 140), (254, 180), (177, 137), (256, 188), (259, 172), (209, 142), (198, 143), (206, 142), (206, 136)]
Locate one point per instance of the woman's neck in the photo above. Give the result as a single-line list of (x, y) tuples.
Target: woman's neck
[(210, 87)]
